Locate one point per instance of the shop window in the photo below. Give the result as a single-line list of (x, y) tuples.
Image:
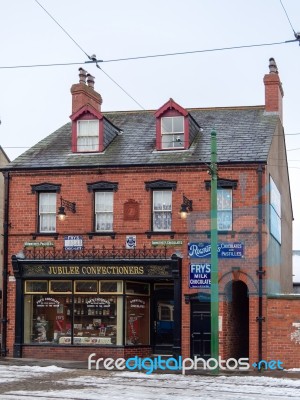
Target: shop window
[(224, 200), (137, 320), (47, 212), (111, 287), (86, 287), (60, 287), (45, 318), (137, 288), (162, 210), (36, 287)]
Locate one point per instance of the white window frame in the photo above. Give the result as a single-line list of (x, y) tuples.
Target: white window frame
[(162, 211), (176, 136), (104, 211), (88, 135), (224, 208), (47, 212)]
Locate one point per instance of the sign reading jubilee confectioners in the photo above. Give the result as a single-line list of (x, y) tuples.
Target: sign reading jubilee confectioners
[(40, 270)]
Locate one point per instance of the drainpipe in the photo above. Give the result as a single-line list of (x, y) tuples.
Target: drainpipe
[(5, 265), (260, 271)]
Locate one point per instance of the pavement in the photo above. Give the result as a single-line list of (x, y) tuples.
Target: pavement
[(82, 365)]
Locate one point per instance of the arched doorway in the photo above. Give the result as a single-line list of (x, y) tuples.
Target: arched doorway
[(237, 319)]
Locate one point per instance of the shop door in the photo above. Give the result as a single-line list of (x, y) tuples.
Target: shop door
[(200, 329), (163, 338)]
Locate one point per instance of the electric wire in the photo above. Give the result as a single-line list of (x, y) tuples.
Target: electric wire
[(148, 56), (91, 58), (105, 73), (288, 19), (73, 40)]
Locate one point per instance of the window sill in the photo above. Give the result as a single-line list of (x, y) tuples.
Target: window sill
[(92, 234), (157, 233), (44, 234), (232, 233)]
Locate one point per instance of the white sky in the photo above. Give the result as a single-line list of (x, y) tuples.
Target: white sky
[(135, 386), (36, 101)]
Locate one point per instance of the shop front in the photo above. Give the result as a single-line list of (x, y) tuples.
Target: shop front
[(104, 306)]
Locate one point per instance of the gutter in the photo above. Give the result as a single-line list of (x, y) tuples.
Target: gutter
[(260, 271), (4, 319)]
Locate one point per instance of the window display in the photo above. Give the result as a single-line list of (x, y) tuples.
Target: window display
[(137, 331), (86, 312)]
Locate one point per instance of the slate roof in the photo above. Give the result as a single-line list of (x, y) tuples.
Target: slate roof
[(244, 134)]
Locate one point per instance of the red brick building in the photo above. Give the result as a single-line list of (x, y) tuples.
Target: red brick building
[(99, 258)]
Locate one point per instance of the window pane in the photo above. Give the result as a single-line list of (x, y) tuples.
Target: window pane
[(46, 319), (86, 287), (137, 288), (166, 125), (178, 124), (224, 220), (95, 320), (88, 128), (88, 135), (224, 199), (86, 143), (111, 286), (162, 200), (60, 286), (104, 201), (36, 286), (137, 319)]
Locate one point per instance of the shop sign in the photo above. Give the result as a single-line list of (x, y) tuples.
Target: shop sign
[(73, 243), (130, 242), (167, 242), (39, 244), (98, 302), (200, 276), (98, 271), (225, 250), (47, 302), (137, 303)]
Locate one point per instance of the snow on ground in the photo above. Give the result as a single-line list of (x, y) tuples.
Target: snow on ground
[(136, 386), (11, 373)]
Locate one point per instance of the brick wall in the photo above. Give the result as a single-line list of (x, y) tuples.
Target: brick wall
[(283, 330), (131, 185), (82, 353)]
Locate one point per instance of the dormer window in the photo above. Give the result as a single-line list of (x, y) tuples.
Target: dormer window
[(176, 129), (88, 135), (172, 131)]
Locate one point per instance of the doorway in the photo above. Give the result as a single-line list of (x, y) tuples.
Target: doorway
[(163, 318), (200, 329), (238, 319)]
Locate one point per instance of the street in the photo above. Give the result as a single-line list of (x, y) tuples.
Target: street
[(52, 382)]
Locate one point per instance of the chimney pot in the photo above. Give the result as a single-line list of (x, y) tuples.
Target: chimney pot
[(90, 80), (272, 66), (82, 76)]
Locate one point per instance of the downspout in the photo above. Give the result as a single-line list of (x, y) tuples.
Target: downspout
[(260, 271), (5, 264)]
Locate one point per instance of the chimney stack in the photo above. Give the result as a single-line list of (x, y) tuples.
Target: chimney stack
[(83, 93), (273, 90)]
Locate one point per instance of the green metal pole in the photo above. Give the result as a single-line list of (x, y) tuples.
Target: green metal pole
[(214, 250)]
